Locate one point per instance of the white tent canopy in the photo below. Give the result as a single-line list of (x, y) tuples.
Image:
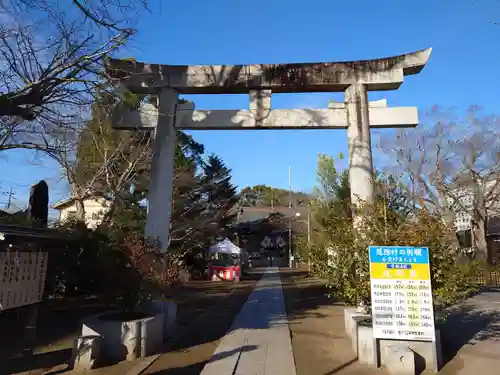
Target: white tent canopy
[(225, 247)]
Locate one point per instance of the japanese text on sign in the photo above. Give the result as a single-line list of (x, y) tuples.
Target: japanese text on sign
[(401, 293)]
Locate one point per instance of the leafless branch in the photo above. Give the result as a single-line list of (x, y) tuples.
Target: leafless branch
[(51, 61), (454, 164)]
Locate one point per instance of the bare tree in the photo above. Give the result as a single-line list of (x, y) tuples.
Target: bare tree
[(97, 160), (451, 165), (51, 55)]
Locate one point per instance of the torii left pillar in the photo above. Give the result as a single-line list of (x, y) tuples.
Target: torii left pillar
[(162, 170)]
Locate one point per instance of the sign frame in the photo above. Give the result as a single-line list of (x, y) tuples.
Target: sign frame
[(401, 293)]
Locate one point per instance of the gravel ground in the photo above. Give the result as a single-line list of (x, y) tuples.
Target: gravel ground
[(320, 346), (58, 327)]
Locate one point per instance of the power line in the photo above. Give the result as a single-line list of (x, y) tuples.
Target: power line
[(11, 194)]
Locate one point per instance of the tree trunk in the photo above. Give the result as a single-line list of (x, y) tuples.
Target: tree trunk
[(80, 210), (480, 242), (109, 217), (479, 224)]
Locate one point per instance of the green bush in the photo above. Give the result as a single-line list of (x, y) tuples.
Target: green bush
[(120, 269), (347, 270)]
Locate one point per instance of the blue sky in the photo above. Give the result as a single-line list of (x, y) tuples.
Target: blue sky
[(462, 70)]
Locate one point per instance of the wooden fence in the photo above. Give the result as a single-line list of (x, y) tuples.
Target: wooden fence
[(489, 278)]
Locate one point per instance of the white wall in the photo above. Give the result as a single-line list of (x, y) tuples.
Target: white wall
[(465, 195), (94, 212)]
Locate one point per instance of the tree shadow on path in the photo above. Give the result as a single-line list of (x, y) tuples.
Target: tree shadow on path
[(196, 368), (475, 321)]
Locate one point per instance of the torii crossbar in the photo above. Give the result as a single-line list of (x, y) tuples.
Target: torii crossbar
[(356, 114)]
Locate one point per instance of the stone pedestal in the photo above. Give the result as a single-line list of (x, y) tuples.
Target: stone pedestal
[(352, 316), (366, 346), (125, 338), (169, 311), (427, 354), (400, 357), (85, 352)]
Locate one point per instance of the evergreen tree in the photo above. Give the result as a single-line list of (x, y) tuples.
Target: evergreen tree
[(217, 188), (267, 196), (116, 165), (333, 195)]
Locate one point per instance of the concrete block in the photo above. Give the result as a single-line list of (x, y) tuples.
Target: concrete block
[(350, 314), (396, 355), (85, 352), (169, 311), (126, 339), (367, 346), (398, 359), (352, 317), (427, 354)]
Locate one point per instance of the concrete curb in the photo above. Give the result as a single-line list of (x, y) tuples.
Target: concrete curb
[(146, 362)]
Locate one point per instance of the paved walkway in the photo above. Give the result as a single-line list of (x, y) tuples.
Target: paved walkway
[(474, 331), (258, 342)]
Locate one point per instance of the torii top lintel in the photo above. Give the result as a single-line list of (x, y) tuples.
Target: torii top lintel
[(378, 74)]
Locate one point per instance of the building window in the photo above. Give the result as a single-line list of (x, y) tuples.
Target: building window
[(71, 215)]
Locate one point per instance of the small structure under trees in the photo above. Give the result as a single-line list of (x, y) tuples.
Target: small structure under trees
[(264, 232)]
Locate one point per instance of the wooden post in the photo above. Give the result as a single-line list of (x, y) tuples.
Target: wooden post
[(30, 317)]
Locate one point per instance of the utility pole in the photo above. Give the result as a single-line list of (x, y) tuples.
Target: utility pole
[(10, 198), (309, 236), (10, 195), (290, 259)]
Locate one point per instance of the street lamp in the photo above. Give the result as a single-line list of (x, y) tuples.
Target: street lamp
[(308, 222)]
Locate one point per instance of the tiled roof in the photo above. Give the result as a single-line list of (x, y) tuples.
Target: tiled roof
[(248, 214)]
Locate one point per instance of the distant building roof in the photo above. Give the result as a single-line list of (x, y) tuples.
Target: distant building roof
[(4, 214), (249, 214), (7, 211), (68, 202), (466, 181), (9, 214), (63, 203), (10, 231)]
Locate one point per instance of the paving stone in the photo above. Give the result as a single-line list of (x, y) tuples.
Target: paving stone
[(258, 342)]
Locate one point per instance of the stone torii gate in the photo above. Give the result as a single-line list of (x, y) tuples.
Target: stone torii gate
[(356, 114)]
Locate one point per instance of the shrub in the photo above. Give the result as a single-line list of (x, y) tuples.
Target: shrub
[(339, 256), (158, 271), (347, 268), (122, 270)]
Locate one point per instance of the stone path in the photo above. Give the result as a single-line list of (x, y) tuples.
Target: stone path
[(258, 342)]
